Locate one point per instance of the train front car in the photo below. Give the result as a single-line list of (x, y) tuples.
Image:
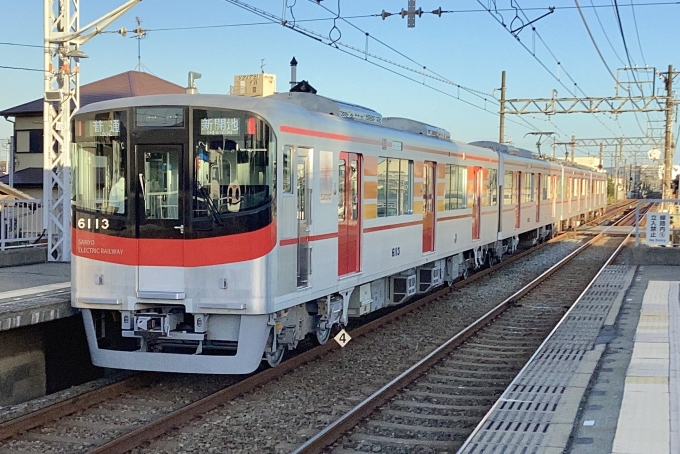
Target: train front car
[(172, 232)]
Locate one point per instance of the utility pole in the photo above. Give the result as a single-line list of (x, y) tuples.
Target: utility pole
[(600, 155), (668, 149), (63, 37), (502, 112)]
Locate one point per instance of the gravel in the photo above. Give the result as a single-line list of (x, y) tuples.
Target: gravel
[(280, 416)]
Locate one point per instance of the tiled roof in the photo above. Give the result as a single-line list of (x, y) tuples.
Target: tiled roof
[(130, 83), (31, 176)]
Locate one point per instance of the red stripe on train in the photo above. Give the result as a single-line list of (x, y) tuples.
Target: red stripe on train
[(164, 252)]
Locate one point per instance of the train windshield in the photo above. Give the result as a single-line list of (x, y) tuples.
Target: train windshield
[(233, 162), (100, 163), (172, 172)]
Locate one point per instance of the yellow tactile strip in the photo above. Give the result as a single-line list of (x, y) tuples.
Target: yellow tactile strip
[(644, 419)]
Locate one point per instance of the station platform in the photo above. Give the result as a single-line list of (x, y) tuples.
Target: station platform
[(607, 380), (32, 294)]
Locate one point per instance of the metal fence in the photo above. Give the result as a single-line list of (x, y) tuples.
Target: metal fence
[(21, 223)]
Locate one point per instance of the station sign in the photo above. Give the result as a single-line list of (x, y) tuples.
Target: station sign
[(658, 228)]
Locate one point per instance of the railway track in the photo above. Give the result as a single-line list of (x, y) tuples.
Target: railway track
[(436, 404), (121, 416)]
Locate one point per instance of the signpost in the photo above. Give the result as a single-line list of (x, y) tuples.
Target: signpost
[(658, 228)]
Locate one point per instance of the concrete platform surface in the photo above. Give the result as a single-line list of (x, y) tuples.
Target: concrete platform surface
[(33, 294), (612, 368)]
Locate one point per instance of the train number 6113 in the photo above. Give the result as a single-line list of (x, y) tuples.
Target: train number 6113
[(88, 224)]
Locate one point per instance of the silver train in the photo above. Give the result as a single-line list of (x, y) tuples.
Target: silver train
[(213, 232)]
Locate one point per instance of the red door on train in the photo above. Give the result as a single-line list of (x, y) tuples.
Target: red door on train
[(476, 201), (429, 205), (349, 213)]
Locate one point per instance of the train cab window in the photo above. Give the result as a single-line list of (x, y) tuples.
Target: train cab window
[(233, 158), (99, 163)]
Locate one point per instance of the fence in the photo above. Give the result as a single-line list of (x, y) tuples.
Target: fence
[(20, 223)]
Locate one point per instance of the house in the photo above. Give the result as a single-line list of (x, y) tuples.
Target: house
[(28, 122)]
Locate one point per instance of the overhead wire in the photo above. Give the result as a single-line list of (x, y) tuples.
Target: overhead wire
[(637, 32), (501, 22), (604, 62), (471, 90), (630, 63), (358, 53)]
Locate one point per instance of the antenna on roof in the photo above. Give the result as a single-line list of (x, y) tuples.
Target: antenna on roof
[(140, 34)]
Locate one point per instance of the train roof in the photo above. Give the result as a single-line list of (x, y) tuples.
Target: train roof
[(505, 148)]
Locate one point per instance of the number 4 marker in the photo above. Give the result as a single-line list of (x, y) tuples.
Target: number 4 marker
[(342, 338)]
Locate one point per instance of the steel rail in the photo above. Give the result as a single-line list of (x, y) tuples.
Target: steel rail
[(157, 427), (336, 429), (66, 407), (540, 347), (55, 411), (162, 425)]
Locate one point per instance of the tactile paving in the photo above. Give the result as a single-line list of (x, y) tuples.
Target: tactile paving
[(520, 421)]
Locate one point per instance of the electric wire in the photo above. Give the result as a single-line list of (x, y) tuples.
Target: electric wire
[(359, 55), (606, 35), (22, 68), (563, 68), (401, 54), (630, 64), (541, 62), (637, 32), (322, 38)]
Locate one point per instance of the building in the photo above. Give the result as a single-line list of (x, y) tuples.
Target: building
[(28, 122)]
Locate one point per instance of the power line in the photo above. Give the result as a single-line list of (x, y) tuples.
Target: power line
[(606, 35), (22, 69), (538, 59), (357, 53), (592, 39), (637, 32)]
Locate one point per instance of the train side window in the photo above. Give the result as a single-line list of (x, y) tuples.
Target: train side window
[(286, 177), (395, 183), (492, 187), (508, 190)]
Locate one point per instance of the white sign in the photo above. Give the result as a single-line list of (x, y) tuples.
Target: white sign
[(343, 338), (658, 228)]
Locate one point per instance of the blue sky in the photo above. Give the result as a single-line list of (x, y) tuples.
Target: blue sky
[(467, 47)]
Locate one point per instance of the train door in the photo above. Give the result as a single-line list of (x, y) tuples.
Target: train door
[(476, 201), (429, 205), (304, 215), (518, 194), (539, 185), (349, 213), (160, 219)]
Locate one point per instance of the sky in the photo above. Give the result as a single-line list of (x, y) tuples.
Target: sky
[(445, 71)]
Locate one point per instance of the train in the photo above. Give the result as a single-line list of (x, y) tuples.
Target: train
[(212, 233)]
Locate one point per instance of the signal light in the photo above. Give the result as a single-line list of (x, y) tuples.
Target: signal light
[(251, 126)]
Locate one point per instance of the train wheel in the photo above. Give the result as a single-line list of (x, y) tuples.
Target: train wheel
[(492, 259), (466, 272), (274, 358), (322, 333)]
